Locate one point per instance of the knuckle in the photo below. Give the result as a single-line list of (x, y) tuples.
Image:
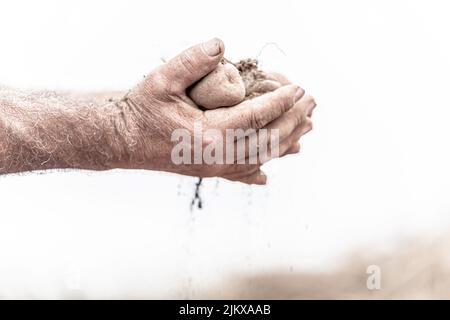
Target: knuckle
[(187, 61), (308, 126), (255, 118), (298, 115), (310, 100)]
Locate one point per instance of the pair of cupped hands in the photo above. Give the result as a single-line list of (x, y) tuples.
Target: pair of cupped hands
[(161, 104)]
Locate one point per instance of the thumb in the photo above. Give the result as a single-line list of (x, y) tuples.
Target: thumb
[(192, 64)]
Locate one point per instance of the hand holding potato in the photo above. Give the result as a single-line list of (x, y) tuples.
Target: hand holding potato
[(161, 104)]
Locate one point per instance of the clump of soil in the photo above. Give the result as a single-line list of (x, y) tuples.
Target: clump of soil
[(256, 81)]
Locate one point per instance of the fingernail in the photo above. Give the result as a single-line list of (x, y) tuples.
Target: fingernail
[(212, 47), (299, 94)]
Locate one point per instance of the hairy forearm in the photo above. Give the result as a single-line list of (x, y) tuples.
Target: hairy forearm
[(48, 130)]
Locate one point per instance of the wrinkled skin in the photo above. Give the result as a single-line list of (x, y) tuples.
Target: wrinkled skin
[(160, 104)]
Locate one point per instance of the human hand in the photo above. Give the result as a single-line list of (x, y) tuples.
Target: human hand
[(152, 111)]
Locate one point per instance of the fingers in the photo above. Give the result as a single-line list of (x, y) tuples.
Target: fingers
[(253, 174), (294, 118), (286, 147), (289, 145), (191, 65), (258, 178), (256, 145), (258, 112), (287, 123), (256, 175), (311, 105), (286, 129)]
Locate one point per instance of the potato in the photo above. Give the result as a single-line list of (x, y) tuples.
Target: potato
[(257, 82), (223, 87), (232, 83)]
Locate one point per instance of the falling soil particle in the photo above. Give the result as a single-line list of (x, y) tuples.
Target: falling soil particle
[(197, 197)]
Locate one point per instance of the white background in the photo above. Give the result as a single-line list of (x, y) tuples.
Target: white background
[(373, 171)]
